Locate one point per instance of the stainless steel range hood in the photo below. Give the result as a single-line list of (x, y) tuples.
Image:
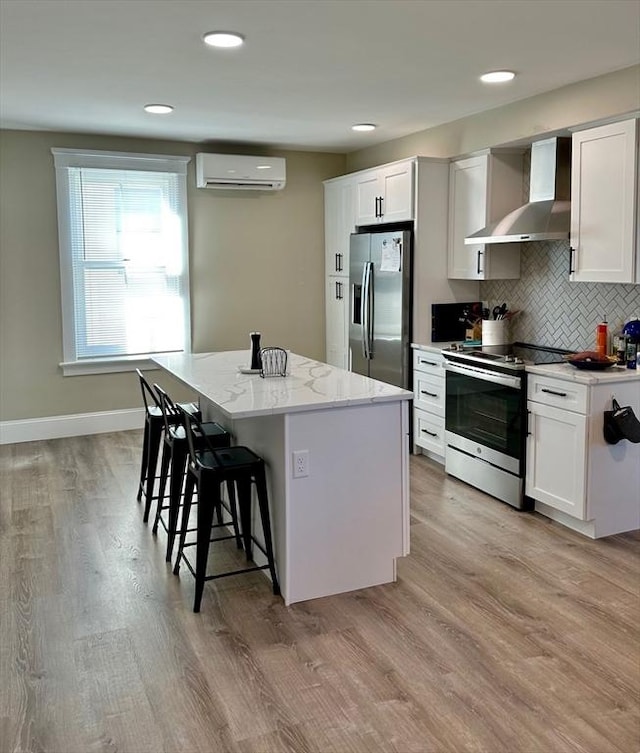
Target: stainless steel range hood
[(547, 215)]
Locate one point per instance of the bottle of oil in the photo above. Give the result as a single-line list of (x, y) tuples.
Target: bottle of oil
[(602, 337)]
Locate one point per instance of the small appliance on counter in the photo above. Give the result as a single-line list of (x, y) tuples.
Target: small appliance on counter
[(450, 321)]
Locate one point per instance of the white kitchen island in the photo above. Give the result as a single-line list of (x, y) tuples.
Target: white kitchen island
[(343, 526)]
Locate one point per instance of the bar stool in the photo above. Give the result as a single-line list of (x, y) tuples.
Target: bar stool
[(207, 470), (153, 429), (174, 462)]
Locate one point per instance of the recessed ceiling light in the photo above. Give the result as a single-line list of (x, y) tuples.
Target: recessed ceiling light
[(223, 39), (497, 77), (363, 127), (158, 109)]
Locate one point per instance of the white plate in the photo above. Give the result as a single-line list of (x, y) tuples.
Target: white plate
[(246, 370)]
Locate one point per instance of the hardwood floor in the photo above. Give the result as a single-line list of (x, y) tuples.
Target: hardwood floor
[(505, 633)]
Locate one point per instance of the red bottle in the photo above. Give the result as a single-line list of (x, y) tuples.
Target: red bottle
[(602, 337)]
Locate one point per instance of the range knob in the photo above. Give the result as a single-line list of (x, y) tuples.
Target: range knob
[(510, 359), (518, 360)]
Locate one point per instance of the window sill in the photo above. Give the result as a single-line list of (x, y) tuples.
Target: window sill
[(108, 365)]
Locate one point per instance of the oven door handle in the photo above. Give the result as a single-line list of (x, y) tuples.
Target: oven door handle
[(484, 375)]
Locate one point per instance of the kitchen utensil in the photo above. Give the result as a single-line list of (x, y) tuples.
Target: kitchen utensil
[(499, 311)]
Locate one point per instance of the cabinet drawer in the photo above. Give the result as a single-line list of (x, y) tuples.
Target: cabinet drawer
[(558, 393), (429, 363), (428, 431), (428, 392)]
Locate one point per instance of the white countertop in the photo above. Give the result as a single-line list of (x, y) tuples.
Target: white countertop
[(310, 385), (572, 374)]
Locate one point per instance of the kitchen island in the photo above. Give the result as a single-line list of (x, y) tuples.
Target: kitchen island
[(340, 514)]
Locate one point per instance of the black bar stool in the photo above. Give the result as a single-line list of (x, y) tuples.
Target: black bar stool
[(174, 462), (153, 429), (207, 470)]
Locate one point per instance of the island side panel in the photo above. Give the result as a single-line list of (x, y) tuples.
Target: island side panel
[(348, 521)]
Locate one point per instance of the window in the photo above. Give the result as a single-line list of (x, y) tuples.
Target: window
[(122, 223)]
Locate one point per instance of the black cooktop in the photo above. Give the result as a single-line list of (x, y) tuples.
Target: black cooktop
[(513, 356)]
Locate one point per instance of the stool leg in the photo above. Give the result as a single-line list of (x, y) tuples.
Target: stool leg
[(263, 504), (178, 466), (244, 502), (233, 507), (186, 510), (164, 472), (145, 458), (205, 521), (155, 437)]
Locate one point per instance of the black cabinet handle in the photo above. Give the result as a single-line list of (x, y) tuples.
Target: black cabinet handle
[(430, 433), (553, 392), (428, 363), (527, 426), (338, 291), (381, 200), (478, 268), (338, 262), (376, 212), (571, 255), (430, 394)]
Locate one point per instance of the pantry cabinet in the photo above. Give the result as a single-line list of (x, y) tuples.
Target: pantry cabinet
[(339, 224), (385, 194), (604, 204), (572, 474), (482, 189)]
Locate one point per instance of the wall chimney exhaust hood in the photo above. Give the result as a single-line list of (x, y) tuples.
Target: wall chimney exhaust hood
[(547, 215)]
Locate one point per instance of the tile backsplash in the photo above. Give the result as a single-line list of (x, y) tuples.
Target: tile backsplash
[(553, 310)]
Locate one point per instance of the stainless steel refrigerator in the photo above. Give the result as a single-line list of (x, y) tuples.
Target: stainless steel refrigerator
[(380, 305)]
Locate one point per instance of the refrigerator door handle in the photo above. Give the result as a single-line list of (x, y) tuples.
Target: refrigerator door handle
[(366, 302), (363, 310)]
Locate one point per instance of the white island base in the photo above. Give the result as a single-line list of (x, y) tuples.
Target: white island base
[(343, 526)]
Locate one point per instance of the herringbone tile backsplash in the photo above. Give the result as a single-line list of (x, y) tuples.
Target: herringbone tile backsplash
[(555, 311)]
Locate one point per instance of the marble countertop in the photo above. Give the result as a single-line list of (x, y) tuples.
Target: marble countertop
[(572, 374), (310, 385)]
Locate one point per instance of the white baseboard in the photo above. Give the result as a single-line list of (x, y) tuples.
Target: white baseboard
[(55, 427)]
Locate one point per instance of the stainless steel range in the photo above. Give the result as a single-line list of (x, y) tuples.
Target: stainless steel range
[(485, 418)]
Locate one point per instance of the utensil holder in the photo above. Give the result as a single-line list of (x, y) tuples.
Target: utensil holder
[(495, 332)]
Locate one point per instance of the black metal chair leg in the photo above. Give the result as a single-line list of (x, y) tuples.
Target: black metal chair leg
[(164, 473), (205, 520), (243, 486), (189, 485), (265, 518), (233, 508), (155, 438), (178, 465), (145, 460)]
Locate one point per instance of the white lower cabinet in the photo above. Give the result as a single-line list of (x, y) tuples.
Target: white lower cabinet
[(572, 474), (337, 321), (428, 403), (556, 458)]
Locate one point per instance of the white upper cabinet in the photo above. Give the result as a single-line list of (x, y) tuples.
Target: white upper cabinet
[(385, 194), (338, 224), (483, 189), (604, 204)]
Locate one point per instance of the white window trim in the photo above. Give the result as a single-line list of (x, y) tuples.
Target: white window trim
[(64, 158)]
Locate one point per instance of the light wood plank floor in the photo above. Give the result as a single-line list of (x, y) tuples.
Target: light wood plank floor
[(505, 632)]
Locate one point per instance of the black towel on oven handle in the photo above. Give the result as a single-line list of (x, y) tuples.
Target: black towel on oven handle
[(621, 423)]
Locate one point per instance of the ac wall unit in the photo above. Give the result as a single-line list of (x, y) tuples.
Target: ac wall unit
[(239, 172)]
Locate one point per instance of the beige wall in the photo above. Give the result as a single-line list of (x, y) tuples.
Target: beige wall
[(613, 95), (256, 262)]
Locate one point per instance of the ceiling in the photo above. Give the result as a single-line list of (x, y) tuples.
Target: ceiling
[(309, 68)]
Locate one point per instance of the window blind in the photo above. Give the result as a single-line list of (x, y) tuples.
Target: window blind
[(124, 254)]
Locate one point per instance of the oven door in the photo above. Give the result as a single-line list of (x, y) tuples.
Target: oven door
[(486, 408)]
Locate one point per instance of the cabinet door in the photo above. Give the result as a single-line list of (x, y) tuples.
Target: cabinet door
[(337, 324), (338, 225), (603, 204), (397, 192), (557, 459), (467, 213), (368, 192)]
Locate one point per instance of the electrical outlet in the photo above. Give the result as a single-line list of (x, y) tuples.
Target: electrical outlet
[(300, 463)]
